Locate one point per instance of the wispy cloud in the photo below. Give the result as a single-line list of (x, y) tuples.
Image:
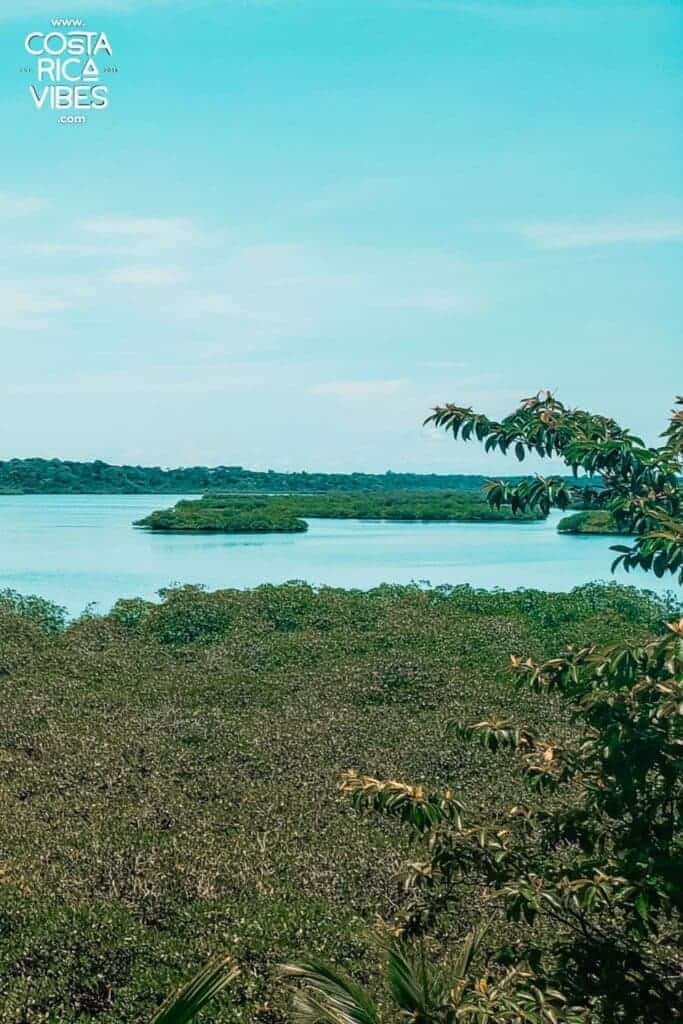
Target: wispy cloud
[(444, 364), (247, 297), (12, 205), (158, 378), (158, 230), (27, 310), (75, 249), (147, 276), (359, 390), (434, 299), (562, 234)]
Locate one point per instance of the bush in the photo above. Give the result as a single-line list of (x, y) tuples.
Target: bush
[(168, 780), (47, 616)]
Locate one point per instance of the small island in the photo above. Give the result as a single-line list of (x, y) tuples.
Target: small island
[(227, 513), (595, 521)]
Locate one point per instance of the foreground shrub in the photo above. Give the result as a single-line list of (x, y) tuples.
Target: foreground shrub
[(47, 616), (165, 794), (182, 619)]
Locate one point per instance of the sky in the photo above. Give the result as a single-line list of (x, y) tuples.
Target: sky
[(300, 224)]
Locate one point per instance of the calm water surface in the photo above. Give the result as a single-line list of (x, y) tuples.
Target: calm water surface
[(79, 549)]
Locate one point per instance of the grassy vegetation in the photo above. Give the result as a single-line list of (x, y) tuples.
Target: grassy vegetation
[(259, 514), (594, 521), (168, 777)]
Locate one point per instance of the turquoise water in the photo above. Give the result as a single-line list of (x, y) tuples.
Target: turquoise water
[(80, 549)]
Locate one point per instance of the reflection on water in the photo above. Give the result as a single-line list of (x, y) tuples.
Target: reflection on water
[(79, 549)]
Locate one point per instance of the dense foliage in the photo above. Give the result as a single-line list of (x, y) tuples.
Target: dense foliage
[(595, 521), (234, 515), (59, 476), (230, 514), (588, 860), (168, 780), (640, 485)]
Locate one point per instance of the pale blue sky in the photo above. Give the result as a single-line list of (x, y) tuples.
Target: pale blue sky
[(301, 223)]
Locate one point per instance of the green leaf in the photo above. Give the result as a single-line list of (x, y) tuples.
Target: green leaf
[(642, 906), (324, 995), (184, 1005)]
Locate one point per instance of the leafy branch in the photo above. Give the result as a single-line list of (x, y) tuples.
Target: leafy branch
[(638, 484)]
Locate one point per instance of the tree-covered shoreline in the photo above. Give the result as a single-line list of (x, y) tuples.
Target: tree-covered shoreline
[(62, 476)]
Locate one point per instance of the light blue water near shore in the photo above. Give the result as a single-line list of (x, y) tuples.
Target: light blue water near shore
[(79, 549)]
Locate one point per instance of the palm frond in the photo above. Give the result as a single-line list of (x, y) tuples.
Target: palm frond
[(420, 990), (324, 996), (417, 991), (470, 946), (183, 1005)]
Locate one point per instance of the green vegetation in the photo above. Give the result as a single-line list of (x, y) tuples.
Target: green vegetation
[(168, 779), (167, 785), (639, 486), (58, 476), (230, 514), (588, 860), (235, 515), (597, 521), (182, 1006)]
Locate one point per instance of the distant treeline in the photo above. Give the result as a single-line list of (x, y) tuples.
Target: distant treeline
[(57, 476), (287, 514)]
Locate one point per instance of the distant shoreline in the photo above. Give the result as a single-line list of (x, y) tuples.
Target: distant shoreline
[(61, 476)]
